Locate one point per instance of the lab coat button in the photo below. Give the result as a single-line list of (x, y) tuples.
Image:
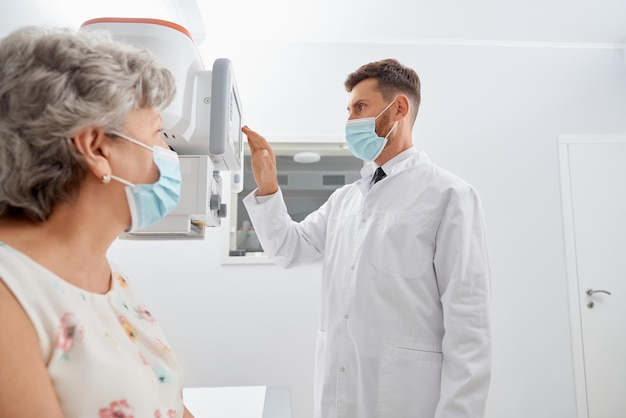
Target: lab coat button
[(346, 316), (352, 267), (363, 220), (343, 369)]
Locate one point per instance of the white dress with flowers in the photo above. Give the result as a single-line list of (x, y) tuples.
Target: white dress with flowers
[(106, 355)]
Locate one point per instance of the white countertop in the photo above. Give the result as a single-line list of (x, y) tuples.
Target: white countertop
[(238, 402)]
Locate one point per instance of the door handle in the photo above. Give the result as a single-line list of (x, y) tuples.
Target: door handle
[(590, 292)]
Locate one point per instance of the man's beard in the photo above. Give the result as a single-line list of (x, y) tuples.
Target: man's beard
[(384, 128)]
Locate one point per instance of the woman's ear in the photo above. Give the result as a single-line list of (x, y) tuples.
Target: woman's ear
[(94, 145), (402, 107)]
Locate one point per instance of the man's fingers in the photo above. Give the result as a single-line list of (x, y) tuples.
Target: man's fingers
[(256, 141), (252, 135), (248, 133)]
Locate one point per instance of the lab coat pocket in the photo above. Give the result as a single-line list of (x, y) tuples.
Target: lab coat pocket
[(409, 380), (320, 364)]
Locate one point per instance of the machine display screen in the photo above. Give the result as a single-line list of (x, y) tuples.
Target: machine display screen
[(235, 134)]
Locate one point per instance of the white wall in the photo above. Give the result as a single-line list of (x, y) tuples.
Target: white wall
[(491, 114)]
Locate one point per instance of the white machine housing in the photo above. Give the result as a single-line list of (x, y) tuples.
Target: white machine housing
[(202, 124)]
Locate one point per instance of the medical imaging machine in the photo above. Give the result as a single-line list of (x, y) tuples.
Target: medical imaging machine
[(202, 124)]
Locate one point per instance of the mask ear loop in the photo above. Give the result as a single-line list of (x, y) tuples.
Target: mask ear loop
[(134, 141), (106, 179), (391, 130), (388, 106), (121, 180)]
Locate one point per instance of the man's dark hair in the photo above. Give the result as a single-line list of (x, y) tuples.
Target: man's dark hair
[(392, 77)]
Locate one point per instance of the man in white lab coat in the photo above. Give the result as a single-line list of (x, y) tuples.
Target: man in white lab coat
[(405, 325)]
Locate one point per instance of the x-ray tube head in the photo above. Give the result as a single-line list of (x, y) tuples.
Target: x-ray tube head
[(202, 124)]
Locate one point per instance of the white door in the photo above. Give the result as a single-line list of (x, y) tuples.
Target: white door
[(593, 180)]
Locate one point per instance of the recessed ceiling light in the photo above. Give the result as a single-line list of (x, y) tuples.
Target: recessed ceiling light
[(306, 157)]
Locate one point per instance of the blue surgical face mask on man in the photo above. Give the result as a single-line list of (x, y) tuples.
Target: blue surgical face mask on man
[(149, 203), (362, 139)]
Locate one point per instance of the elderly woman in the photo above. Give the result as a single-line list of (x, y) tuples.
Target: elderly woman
[(81, 160)]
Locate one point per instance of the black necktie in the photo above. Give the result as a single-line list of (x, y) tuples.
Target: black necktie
[(378, 175)]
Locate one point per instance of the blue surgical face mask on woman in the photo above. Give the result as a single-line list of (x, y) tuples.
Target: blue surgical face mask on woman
[(362, 139), (149, 203)]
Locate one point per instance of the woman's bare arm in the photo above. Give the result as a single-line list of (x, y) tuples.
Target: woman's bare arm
[(25, 387)]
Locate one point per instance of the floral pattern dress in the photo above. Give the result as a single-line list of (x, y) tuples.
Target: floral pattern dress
[(106, 354)]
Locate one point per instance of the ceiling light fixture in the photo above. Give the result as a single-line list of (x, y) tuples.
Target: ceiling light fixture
[(306, 157)]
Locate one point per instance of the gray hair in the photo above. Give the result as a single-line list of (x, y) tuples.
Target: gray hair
[(54, 83)]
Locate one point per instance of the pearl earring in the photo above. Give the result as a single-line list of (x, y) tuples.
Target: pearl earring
[(106, 179)]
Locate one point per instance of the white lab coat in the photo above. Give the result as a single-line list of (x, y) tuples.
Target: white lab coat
[(405, 328)]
